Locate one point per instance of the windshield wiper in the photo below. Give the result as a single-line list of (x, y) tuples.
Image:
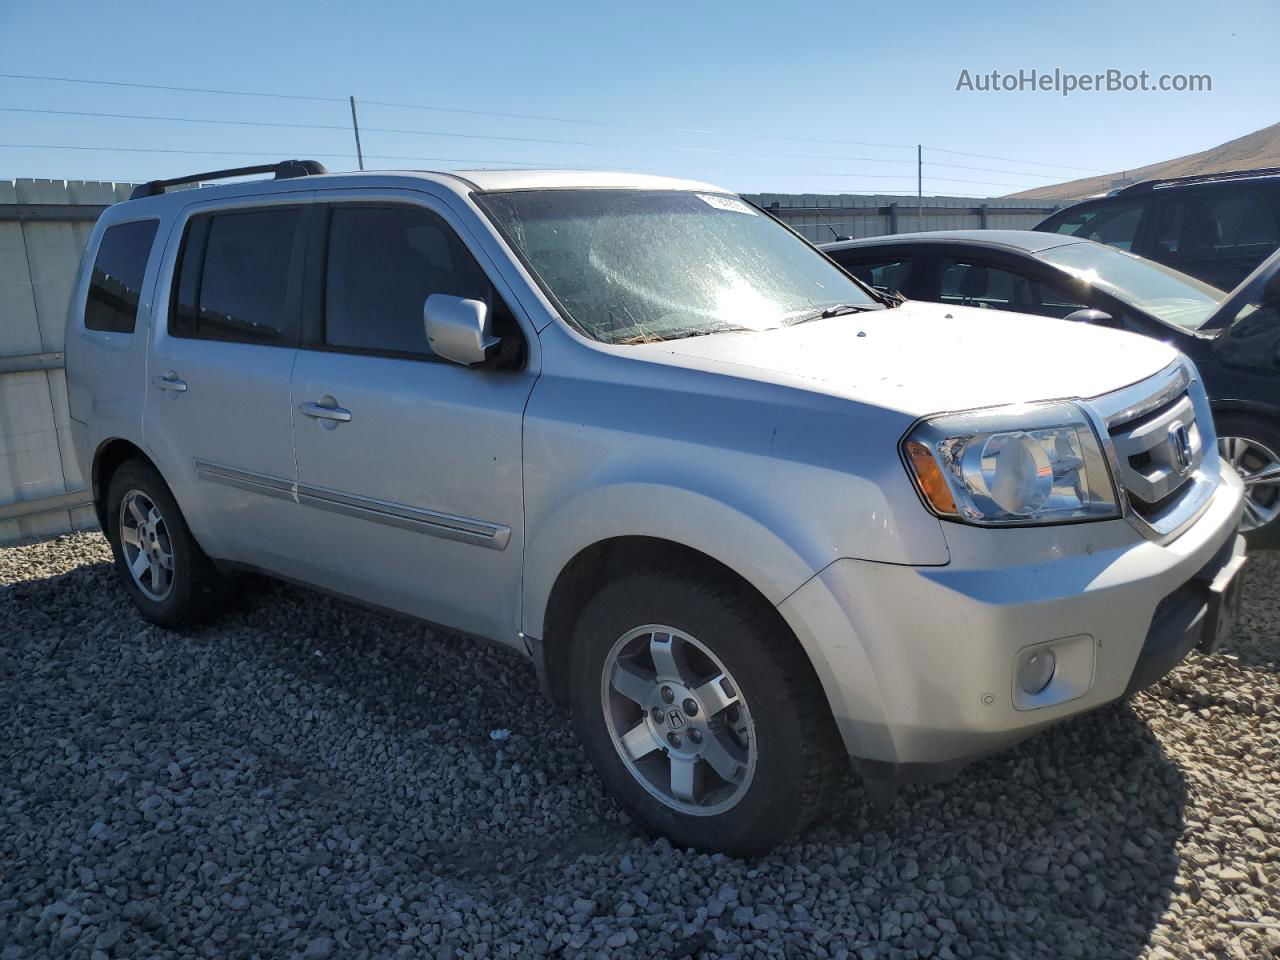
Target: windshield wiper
[(835, 310), (683, 333)]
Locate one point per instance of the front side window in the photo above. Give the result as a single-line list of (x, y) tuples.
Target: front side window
[(116, 284), (1115, 224), (383, 263), (631, 266), (233, 278), (887, 276)]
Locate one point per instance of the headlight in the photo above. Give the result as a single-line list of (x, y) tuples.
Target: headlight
[(1025, 464)]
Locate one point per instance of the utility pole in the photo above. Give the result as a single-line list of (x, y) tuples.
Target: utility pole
[(355, 128), (919, 183)]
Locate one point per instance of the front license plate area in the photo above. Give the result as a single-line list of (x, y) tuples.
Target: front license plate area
[(1224, 604)]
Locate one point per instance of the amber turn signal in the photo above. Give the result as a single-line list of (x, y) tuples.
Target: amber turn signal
[(929, 478)]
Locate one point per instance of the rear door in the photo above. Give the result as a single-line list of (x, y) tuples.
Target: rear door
[(218, 416), (409, 466)]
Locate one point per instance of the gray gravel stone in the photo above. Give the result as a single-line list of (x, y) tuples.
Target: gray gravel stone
[(304, 779)]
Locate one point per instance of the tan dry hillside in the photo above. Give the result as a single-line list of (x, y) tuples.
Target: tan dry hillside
[(1258, 149)]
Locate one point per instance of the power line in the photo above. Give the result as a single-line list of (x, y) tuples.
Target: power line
[(471, 136), (1033, 163), (521, 163), (396, 130), (263, 153), (427, 133), (455, 110), (1016, 173), (160, 86), (524, 116)]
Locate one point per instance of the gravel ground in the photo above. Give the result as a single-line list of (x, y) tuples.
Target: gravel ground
[(305, 778)]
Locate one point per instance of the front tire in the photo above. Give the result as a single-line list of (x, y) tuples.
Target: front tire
[(1251, 445), (701, 713), (162, 568)]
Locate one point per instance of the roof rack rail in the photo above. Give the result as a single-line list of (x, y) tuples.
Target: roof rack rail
[(284, 170), (1158, 182)]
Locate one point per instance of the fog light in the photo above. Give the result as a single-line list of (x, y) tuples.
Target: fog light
[(1037, 671)]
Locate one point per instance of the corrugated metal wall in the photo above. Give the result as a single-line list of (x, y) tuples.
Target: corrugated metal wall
[(820, 217), (43, 228), (38, 258)]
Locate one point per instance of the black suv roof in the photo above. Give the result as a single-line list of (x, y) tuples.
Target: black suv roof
[(1161, 183)]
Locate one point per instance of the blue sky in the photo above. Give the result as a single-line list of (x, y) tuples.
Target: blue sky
[(751, 95)]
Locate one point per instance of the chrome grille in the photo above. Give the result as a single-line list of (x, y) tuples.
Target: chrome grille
[(1159, 452), (1162, 449)]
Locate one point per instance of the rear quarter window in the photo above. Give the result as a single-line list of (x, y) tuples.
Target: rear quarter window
[(115, 286)]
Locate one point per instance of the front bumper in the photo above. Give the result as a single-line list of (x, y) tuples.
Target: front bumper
[(919, 662)]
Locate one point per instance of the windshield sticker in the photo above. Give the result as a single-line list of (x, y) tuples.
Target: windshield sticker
[(721, 202)]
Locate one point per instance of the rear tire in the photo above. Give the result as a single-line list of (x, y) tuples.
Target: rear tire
[(169, 578), (723, 739), (1252, 445)]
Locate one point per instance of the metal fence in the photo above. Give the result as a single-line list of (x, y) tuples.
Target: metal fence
[(43, 228), (820, 217)]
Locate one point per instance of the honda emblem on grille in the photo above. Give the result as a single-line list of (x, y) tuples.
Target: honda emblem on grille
[(1180, 445)]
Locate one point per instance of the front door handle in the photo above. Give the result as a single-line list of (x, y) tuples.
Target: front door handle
[(169, 382), (326, 410)]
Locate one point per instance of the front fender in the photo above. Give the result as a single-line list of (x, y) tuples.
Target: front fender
[(680, 515), (740, 541)]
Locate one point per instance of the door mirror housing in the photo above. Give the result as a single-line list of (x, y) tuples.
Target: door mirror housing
[(1090, 315), (458, 329)]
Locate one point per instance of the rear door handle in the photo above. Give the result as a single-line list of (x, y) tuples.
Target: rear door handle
[(170, 382), (324, 411)]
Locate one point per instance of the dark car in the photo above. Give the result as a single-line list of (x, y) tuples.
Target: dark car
[(1233, 338), (1217, 227)]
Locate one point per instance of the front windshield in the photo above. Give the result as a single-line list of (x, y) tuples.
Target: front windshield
[(631, 266), (1152, 287)]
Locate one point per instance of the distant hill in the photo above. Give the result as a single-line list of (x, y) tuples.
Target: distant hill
[(1258, 149)]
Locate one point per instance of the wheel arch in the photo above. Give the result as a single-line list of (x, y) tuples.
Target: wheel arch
[(107, 458), (1247, 408), (597, 564)]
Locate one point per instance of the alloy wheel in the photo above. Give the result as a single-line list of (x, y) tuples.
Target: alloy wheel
[(678, 720), (148, 551), (1259, 468)]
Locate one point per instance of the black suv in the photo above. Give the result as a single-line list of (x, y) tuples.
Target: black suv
[(1216, 227)]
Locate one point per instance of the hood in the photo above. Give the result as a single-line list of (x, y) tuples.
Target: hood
[(923, 358)]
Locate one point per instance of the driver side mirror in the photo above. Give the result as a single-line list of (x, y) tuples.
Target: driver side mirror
[(458, 329), (1090, 315)]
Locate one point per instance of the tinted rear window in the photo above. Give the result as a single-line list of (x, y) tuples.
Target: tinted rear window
[(116, 284), (233, 281)]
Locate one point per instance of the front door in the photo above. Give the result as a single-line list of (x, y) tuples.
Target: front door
[(218, 418), (409, 466)]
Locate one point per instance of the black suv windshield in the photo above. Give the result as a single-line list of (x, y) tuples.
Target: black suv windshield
[(631, 266)]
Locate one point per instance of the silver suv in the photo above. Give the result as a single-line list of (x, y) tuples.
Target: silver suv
[(746, 516)]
